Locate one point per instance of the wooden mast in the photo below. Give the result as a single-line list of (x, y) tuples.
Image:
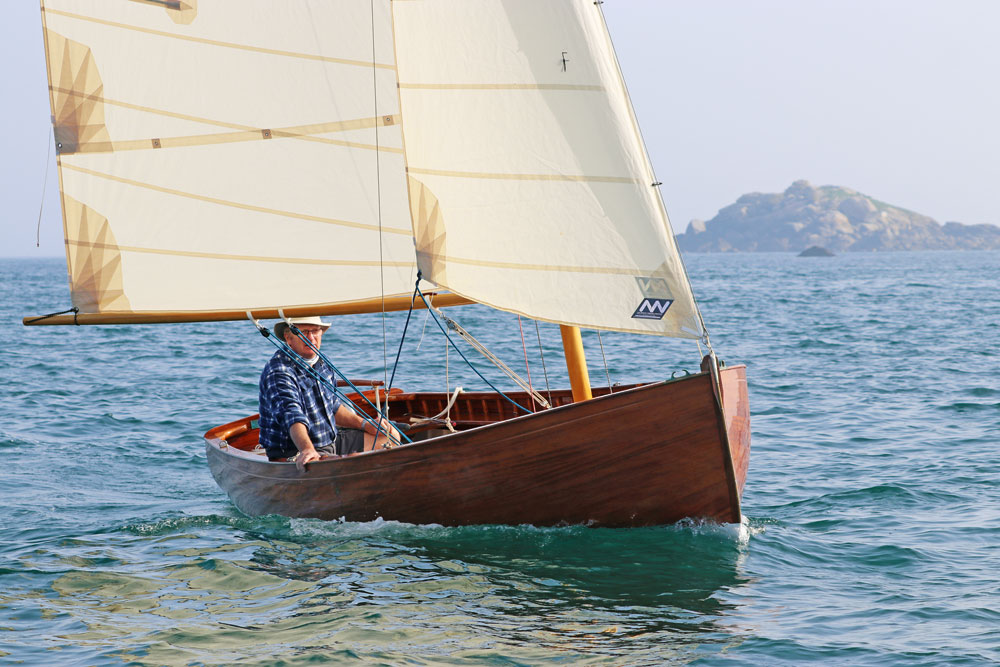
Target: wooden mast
[(576, 363)]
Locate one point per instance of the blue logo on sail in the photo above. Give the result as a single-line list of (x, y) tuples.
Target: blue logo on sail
[(652, 309)]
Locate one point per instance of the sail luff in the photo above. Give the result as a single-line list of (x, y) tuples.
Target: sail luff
[(52, 108), (671, 238)]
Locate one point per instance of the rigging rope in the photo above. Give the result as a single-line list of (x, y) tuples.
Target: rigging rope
[(447, 385), (441, 326), (606, 372), (378, 429), (400, 350), (333, 100), (482, 349), (304, 365), (446, 413), (524, 347), (423, 329), (41, 205), (73, 310), (541, 353), (378, 195)]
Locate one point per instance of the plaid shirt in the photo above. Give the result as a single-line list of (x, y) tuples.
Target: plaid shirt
[(289, 394)]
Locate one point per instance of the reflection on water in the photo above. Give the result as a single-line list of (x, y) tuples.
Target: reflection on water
[(275, 589)]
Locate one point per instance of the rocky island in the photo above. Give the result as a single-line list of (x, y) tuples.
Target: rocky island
[(832, 217), (816, 251)]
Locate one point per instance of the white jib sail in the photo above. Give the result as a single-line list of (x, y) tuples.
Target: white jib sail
[(529, 184), (223, 155)]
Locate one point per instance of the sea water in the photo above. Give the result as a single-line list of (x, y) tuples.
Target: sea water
[(871, 530)]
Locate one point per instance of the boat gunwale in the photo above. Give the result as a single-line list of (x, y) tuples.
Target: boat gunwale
[(221, 445)]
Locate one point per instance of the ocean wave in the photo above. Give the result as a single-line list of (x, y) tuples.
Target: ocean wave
[(881, 496), (962, 407)]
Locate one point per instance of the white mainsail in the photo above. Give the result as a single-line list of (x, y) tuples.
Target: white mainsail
[(530, 186), (222, 155), (245, 154)]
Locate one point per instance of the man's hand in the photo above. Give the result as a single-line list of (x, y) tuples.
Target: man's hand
[(305, 458), (387, 435), (376, 433), (307, 453), (386, 427)]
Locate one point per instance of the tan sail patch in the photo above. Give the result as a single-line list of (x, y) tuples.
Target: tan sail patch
[(77, 91), (664, 283), (184, 13), (657, 285), (95, 261), (428, 232)]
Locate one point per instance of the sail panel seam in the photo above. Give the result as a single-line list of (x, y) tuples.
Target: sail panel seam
[(215, 139), (502, 86), (245, 132), (518, 266), (245, 258), (214, 42), (525, 177), (232, 204)]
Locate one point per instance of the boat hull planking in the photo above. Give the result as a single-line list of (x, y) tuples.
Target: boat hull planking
[(650, 455)]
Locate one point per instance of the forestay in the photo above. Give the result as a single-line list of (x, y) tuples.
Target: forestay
[(222, 155), (530, 187)]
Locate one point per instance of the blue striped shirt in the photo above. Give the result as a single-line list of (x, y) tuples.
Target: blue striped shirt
[(289, 394)]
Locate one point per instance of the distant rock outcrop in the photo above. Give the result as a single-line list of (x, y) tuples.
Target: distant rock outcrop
[(816, 251), (831, 217)]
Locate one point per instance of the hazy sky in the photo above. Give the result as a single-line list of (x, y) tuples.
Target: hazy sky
[(896, 98)]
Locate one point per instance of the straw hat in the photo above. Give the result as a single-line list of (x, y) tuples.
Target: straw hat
[(282, 326)]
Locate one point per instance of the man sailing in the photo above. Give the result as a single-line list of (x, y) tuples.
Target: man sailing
[(301, 418)]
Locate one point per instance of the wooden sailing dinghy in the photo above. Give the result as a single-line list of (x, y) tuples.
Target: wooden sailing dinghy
[(647, 455), (223, 160)]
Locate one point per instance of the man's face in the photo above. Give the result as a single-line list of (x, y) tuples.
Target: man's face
[(311, 331)]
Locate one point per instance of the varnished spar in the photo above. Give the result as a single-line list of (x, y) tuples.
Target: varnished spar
[(388, 305)]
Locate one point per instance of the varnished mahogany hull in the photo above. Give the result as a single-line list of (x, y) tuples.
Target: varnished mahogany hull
[(645, 456)]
